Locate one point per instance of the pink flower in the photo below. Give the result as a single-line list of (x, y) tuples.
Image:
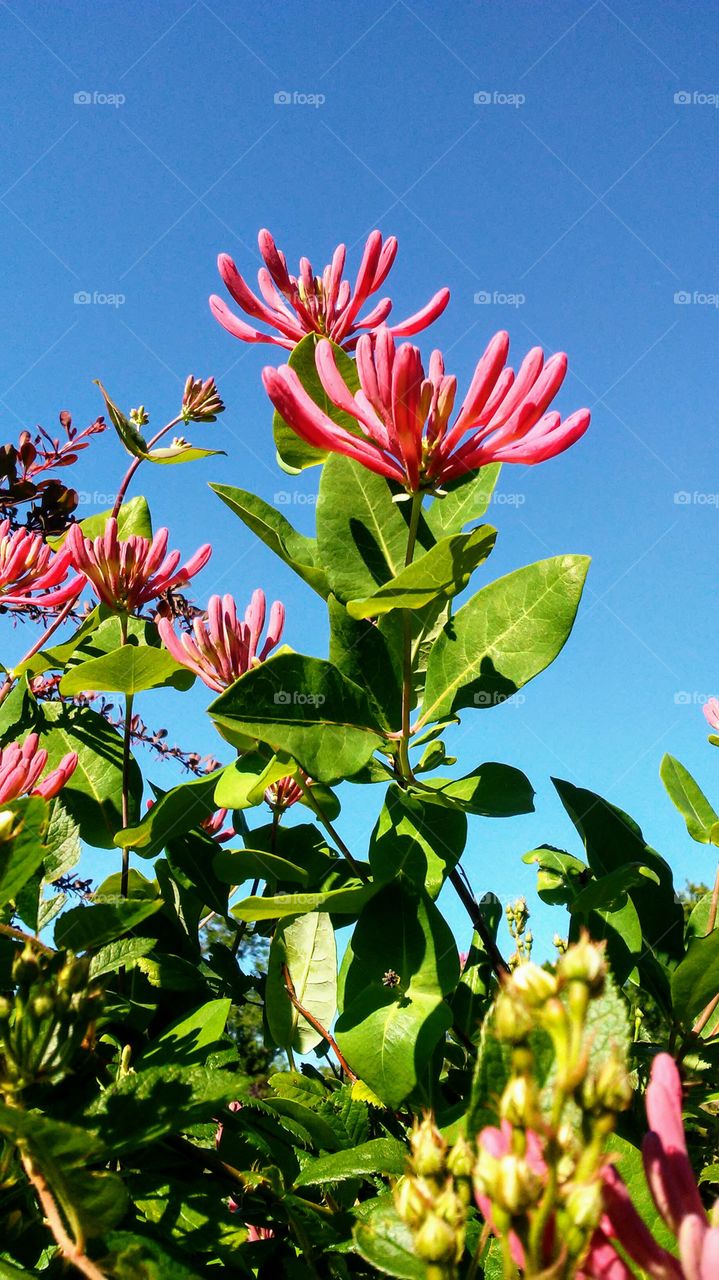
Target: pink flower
[(403, 416), (711, 711), (212, 824), (283, 794), (28, 566), (222, 648), (21, 765), (127, 575), (323, 304), (673, 1187)]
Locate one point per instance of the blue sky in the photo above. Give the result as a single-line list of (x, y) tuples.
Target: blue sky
[(591, 193)]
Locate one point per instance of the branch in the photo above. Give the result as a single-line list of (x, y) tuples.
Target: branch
[(67, 1246), (471, 906), (314, 1022)]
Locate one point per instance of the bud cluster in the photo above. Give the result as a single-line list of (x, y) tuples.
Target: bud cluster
[(539, 1175), (433, 1196), (46, 1020), (517, 914), (201, 401)]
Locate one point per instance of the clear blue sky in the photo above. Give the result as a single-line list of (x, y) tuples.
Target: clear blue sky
[(595, 198)]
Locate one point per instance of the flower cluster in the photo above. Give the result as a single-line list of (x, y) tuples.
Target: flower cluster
[(125, 575), (222, 647), (403, 415), (31, 573), (21, 766), (45, 1023), (433, 1196), (326, 304), (283, 794)]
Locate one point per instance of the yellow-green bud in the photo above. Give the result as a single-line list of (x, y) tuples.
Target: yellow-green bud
[(7, 824), (74, 974), (518, 1102), (609, 1089), (6, 1008), (460, 1161), (413, 1200), (429, 1149), (584, 962), (512, 1019), (584, 1205), (518, 1186), (435, 1241), (42, 1006), (25, 966), (533, 984)]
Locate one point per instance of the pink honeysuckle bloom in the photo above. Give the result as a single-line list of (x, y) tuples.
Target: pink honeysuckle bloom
[(21, 765), (127, 575), (403, 416), (326, 304), (673, 1187), (222, 647), (214, 828), (31, 573), (283, 794), (711, 712)]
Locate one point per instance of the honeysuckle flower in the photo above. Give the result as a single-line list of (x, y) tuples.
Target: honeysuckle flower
[(711, 712), (674, 1190), (326, 304), (22, 763), (403, 415), (127, 575), (201, 401), (212, 824), (31, 573), (283, 794), (222, 647)]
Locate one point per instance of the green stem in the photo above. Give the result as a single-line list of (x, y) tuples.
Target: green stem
[(37, 646), (136, 462), (404, 760), (319, 812)]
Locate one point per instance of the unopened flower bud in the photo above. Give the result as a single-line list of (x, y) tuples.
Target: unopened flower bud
[(429, 1149), (533, 984), (584, 962), (413, 1200), (609, 1089), (512, 1019), (518, 1186), (460, 1161), (25, 967), (435, 1241), (42, 1006), (584, 1205), (74, 974), (518, 1102)]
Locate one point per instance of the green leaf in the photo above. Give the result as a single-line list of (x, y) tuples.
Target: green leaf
[(189, 1039), (492, 790), (143, 1106), (696, 980), (93, 794), (378, 1156), (176, 812), (384, 1240), (85, 928), (689, 799), (347, 901), (120, 955), (362, 533), (130, 669), (442, 572), (416, 839), (272, 528), (466, 500), (307, 708), (293, 453), (133, 518), (610, 891), (23, 852), (503, 637), (136, 444), (255, 864), (367, 656), (388, 1032), (630, 1165), (133, 1256), (243, 783), (307, 947)]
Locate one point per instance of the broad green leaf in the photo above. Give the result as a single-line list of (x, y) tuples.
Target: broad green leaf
[(189, 1040), (22, 846), (120, 955), (143, 1106), (362, 533), (63, 842), (307, 708), (93, 794), (388, 1030), (318, 1129), (133, 1256), (244, 782), (378, 1156), (370, 658), (416, 839), (492, 790), (630, 1165), (689, 799), (130, 669), (172, 815), (85, 928), (255, 864), (133, 518), (467, 499), (386, 1242), (307, 947), (443, 571), (272, 528), (607, 892), (503, 637), (336, 901), (696, 980), (293, 454)]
